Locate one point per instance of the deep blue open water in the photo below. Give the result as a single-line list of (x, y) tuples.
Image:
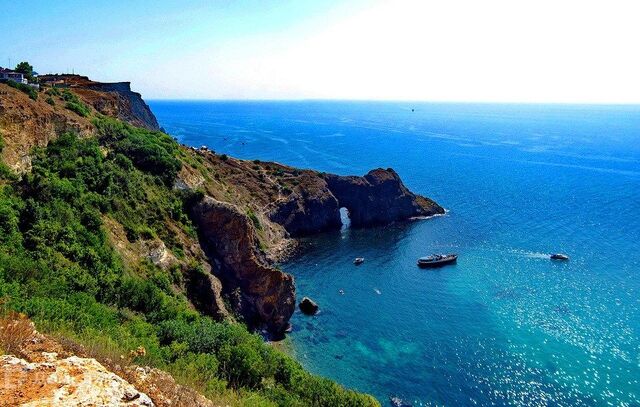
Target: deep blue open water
[(505, 326)]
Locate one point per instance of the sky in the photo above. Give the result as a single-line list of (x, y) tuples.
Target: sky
[(562, 51)]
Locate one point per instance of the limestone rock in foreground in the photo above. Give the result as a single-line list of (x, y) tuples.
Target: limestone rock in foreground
[(72, 381)]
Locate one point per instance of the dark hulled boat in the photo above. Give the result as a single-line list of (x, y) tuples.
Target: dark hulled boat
[(437, 260)]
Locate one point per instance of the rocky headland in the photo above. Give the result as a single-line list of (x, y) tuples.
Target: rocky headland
[(249, 216), (221, 226)]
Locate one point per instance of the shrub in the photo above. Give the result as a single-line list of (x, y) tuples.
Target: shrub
[(79, 108), (150, 151), (53, 92), (50, 101), (32, 92), (67, 96), (254, 219), (58, 266), (224, 157), (15, 330)]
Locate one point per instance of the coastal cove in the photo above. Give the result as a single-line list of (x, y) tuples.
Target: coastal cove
[(505, 325)]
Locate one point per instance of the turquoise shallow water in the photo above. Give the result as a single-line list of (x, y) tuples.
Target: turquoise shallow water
[(505, 326)]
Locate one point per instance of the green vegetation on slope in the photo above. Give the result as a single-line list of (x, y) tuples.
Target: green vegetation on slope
[(75, 104), (57, 266), (32, 92)]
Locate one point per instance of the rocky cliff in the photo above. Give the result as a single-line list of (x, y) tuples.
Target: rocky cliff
[(112, 99), (271, 205), (26, 123), (262, 294), (378, 198)]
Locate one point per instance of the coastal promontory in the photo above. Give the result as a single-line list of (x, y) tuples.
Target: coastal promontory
[(115, 235)]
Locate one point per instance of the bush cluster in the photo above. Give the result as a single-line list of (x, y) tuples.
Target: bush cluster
[(32, 92), (74, 103), (153, 152)]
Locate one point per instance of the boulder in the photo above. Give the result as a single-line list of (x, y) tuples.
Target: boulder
[(308, 306)]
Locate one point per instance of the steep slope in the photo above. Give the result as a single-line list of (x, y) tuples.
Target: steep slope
[(26, 123), (111, 99)]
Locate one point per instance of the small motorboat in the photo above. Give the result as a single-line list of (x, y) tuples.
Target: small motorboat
[(358, 261), (437, 260), (398, 402), (559, 256)]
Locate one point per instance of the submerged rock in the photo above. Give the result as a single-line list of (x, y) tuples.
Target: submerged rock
[(308, 306)]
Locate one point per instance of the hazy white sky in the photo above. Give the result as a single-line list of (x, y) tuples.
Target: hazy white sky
[(449, 50)]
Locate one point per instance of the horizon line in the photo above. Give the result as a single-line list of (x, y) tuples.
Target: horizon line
[(566, 103)]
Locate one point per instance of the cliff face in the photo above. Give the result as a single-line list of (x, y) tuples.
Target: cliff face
[(309, 209), (129, 106), (262, 294), (26, 123), (284, 202), (111, 99), (378, 198)]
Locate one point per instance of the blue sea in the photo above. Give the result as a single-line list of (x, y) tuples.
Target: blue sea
[(505, 326)]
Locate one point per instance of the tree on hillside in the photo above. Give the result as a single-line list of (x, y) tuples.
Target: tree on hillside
[(25, 68)]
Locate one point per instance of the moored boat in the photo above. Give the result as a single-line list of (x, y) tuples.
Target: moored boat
[(358, 260), (437, 260)]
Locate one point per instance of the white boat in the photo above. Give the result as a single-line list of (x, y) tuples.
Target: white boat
[(437, 260)]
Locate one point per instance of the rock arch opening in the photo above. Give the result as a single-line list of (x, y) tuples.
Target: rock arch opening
[(345, 218)]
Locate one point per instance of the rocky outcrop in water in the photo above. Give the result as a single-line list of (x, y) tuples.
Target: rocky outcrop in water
[(302, 202), (308, 306), (377, 198), (311, 208), (264, 295)]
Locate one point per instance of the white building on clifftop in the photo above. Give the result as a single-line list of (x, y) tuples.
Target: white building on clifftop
[(9, 75)]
